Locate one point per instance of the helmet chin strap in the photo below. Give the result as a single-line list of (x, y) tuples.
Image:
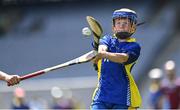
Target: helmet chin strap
[(123, 35)]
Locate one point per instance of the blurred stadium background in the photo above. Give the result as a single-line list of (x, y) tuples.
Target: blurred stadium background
[(36, 34)]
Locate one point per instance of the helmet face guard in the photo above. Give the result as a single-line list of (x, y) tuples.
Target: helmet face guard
[(131, 17)]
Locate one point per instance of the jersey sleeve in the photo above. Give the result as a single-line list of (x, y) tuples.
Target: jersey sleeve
[(133, 52), (105, 40)]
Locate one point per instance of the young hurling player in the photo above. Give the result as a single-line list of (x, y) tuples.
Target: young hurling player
[(117, 54)]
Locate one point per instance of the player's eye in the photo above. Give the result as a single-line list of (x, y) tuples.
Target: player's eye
[(122, 23)]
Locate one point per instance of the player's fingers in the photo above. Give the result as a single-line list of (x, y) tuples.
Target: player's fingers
[(93, 61), (96, 61)]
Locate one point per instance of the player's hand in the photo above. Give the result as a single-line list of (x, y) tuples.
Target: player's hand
[(12, 80), (95, 62), (100, 55)]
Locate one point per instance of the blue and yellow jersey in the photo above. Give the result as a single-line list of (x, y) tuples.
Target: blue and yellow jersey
[(115, 82)]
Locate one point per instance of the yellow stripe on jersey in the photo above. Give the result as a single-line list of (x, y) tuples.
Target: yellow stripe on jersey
[(99, 75), (135, 95), (99, 68)]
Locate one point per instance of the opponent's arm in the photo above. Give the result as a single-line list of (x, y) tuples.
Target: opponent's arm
[(114, 57), (3, 76)]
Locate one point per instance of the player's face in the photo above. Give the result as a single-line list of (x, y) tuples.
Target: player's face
[(122, 25)]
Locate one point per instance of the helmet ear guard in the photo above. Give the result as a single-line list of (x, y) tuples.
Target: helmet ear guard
[(133, 28)]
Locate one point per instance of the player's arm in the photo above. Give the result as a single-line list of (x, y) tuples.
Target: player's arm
[(114, 57), (10, 79), (98, 56)]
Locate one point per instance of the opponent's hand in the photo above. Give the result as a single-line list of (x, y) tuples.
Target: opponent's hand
[(12, 80)]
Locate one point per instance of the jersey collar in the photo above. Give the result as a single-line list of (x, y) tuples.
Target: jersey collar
[(128, 40), (131, 39)]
